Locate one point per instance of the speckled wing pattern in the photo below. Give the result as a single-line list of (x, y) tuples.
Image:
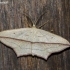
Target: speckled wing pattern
[(25, 41)]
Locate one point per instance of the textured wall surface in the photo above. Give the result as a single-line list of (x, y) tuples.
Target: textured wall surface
[(58, 17)]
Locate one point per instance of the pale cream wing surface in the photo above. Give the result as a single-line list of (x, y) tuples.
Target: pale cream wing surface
[(20, 47), (33, 41), (25, 48), (44, 50), (33, 35)]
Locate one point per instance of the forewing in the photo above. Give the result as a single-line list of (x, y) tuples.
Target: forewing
[(45, 36), (33, 35), (22, 33)]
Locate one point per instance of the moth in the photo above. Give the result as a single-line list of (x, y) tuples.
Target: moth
[(33, 41)]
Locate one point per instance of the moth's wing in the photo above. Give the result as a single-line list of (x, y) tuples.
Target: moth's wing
[(19, 46), (44, 50), (25, 48), (34, 41), (22, 34), (15, 33), (33, 35), (48, 43), (47, 37)]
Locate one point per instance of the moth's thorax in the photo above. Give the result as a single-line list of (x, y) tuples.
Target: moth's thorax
[(33, 26)]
